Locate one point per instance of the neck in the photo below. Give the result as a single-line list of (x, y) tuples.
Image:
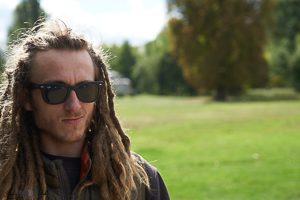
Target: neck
[(61, 148)]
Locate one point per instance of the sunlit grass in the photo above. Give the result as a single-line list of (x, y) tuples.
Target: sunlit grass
[(218, 151)]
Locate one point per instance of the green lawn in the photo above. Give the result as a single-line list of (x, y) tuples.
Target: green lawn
[(218, 151)]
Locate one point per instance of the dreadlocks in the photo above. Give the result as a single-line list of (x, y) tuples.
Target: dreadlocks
[(114, 170)]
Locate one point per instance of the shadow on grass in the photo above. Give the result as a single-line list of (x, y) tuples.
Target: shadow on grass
[(275, 94)]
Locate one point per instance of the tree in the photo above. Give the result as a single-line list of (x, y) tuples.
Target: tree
[(113, 52), (157, 71), (2, 61), (287, 26), (125, 60), (219, 44), (144, 75), (284, 45), (279, 61), (146, 69), (294, 65), (26, 15), (169, 77)]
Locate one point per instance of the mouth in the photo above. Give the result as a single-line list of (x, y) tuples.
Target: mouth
[(72, 120)]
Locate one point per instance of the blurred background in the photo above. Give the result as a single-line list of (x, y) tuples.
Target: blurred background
[(208, 90)]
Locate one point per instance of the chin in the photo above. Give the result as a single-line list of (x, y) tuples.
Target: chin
[(74, 137)]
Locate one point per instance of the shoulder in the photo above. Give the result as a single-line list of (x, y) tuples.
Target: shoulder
[(150, 169), (157, 189)]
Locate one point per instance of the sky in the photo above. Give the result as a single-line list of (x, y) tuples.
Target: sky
[(101, 21)]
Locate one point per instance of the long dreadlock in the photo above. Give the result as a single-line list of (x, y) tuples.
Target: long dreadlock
[(114, 170)]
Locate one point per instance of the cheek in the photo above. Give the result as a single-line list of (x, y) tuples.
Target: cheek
[(43, 111), (36, 100), (45, 114), (89, 108)]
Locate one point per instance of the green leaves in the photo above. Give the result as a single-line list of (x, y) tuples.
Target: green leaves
[(219, 44), (26, 15), (2, 61)]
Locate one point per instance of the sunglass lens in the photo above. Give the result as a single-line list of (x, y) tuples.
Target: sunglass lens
[(56, 94), (87, 92)]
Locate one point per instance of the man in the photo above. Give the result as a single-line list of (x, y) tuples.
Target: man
[(59, 136)]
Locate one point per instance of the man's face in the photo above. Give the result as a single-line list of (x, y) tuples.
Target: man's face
[(68, 121)]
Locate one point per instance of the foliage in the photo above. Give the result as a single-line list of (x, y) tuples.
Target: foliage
[(144, 75), (146, 68), (170, 78), (26, 15), (284, 45), (287, 26), (209, 150), (278, 60), (220, 43), (113, 52), (157, 71), (125, 60), (295, 66), (2, 61)]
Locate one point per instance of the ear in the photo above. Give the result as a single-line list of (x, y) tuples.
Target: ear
[(27, 101)]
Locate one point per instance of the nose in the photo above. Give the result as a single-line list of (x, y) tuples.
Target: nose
[(72, 104)]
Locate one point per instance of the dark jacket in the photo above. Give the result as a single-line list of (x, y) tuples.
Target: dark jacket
[(59, 187)]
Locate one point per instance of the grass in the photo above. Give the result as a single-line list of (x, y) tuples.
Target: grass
[(218, 151), (274, 94)]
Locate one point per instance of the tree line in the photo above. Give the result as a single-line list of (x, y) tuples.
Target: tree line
[(219, 47)]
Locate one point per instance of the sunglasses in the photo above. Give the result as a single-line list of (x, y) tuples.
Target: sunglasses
[(57, 93)]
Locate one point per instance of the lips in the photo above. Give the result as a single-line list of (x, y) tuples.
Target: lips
[(72, 120)]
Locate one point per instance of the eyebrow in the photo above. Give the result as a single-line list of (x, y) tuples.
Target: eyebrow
[(53, 81), (62, 82)]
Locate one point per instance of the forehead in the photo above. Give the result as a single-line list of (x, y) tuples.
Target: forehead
[(70, 66)]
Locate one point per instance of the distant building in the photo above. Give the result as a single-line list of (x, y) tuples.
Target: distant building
[(121, 85)]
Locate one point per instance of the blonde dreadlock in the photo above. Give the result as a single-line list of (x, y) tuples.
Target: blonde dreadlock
[(113, 170)]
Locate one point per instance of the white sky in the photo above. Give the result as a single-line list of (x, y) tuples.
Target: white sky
[(106, 21)]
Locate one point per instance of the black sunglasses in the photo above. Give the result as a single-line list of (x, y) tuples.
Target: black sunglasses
[(57, 93)]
